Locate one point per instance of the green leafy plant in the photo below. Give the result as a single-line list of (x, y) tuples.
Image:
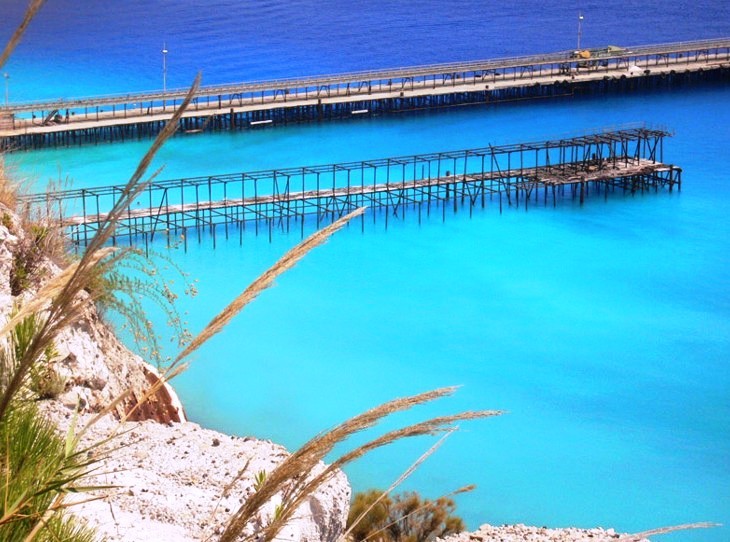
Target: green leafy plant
[(7, 221), (37, 244), (37, 468), (259, 479), (45, 382)]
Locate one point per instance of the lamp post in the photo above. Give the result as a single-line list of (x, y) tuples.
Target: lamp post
[(580, 27), (7, 88), (164, 68)]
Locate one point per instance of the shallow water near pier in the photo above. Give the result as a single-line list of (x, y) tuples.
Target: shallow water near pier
[(603, 330)]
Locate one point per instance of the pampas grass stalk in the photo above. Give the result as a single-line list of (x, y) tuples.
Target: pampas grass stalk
[(299, 491), (305, 458), (428, 427), (291, 477)]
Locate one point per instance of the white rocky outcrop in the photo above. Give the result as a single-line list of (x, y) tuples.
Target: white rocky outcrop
[(182, 483), (525, 533), (172, 479), (98, 368)]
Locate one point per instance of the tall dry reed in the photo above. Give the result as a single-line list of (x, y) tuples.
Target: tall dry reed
[(294, 479)]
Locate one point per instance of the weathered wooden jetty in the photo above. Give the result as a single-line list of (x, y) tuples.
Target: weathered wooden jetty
[(256, 104), (627, 160)]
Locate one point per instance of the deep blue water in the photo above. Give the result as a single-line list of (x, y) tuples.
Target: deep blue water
[(604, 330), (93, 47)]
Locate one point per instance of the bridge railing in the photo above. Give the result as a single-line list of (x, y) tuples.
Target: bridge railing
[(354, 82)]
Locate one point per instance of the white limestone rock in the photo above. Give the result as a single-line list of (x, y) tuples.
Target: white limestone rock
[(173, 481), (525, 533)]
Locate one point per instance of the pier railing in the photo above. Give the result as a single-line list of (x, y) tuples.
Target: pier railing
[(516, 66), (229, 107)]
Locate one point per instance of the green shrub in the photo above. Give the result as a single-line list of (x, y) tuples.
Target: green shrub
[(46, 382), (406, 517), (40, 242), (7, 221), (19, 275)]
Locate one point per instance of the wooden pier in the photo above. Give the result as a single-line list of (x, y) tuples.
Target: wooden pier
[(628, 160), (256, 104)]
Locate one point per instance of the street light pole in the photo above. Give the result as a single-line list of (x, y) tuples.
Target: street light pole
[(7, 88), (164, 68), (580, 27)]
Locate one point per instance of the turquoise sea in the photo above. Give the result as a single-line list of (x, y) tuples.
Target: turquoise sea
[(603, 330)]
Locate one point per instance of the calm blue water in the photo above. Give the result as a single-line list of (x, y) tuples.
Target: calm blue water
[(603, 330)]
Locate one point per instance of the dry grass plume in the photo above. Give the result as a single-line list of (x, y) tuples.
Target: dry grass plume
[(293, 478)]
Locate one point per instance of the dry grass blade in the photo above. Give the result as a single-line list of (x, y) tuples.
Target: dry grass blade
[(321, 445), (133, 188), (53, 509), (30, 13), (40, 524), (665, 530), (429, 427), (226, 493), (300, 491), (265, 281), (301, 462)]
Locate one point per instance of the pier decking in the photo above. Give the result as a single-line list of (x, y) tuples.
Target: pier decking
[(111, 118), (627, 160)]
